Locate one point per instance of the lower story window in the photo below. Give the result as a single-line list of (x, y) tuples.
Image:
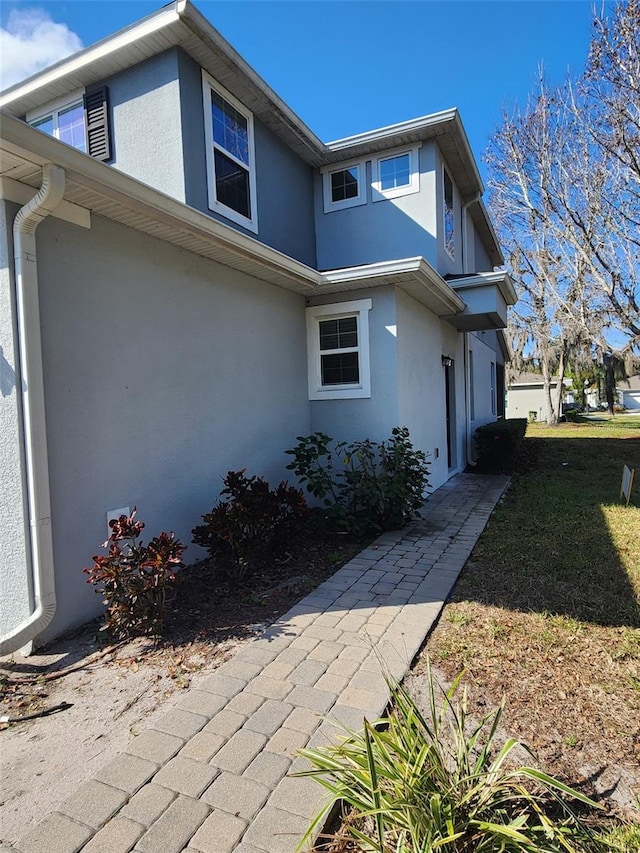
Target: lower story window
[(338, 350)]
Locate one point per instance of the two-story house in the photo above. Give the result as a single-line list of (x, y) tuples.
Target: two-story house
[(191, 279)]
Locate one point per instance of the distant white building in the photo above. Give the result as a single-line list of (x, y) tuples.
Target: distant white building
[(628, 391), (525, 396)]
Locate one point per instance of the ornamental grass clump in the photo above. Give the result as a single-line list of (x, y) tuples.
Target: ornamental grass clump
[(417, 783)]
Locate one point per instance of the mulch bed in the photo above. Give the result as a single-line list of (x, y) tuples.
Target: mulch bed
[(207, 617)]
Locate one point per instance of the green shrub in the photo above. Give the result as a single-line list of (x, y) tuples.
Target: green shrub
[(572, 416), (365, 486), (420, 783), (498, 445), (134, 578), (251, 526)]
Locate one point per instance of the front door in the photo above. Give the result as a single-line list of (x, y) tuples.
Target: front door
[(450, 397)]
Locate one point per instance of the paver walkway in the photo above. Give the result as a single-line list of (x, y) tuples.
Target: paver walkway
[(212, 775)]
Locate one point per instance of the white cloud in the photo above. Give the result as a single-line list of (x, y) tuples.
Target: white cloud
[(31, 42)]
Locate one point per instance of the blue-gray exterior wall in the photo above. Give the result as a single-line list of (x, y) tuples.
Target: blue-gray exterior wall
[(284, 183), (147, 139), (422, 341), (374, 417), (159, 138), (384, 230), (490, 339), (481, 256), (163, 371)]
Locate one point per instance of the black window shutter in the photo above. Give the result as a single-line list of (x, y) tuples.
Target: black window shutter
[(96, 109)]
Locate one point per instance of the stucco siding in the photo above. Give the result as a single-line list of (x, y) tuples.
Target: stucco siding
[(146, 131), (444, 262), (14, 587), (483, 406), (481, 256), (383, 230), (284, 183), (374, 417), (422, 340), (162, 372)]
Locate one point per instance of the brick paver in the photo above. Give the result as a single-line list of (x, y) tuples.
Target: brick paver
[(214, 774)]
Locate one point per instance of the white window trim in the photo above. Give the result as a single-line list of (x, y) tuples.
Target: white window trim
[(208, 83), (414, 180), (358, 200), (452, 254), (360, 309)]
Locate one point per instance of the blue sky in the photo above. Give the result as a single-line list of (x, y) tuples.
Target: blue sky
[(347, 67)]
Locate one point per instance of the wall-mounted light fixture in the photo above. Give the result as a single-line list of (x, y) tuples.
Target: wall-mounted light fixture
[(447, 361)]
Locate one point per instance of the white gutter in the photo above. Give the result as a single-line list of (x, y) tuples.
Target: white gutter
[(29, 377)]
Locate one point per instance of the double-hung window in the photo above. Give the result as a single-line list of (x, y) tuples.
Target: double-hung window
[(395, 174), (230, 155), (338, 350)]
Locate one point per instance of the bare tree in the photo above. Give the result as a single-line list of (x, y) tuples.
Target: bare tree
[(556, 311), (564, 182)]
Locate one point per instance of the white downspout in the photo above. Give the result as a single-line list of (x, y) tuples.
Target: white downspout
[(29, 377)]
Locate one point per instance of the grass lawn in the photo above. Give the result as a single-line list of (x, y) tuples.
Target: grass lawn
[(547, 611)]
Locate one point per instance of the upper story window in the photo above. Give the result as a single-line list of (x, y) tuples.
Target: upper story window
[(338, 350), (80, 120), (64, 119), (344, 186), (230, 155), (396, 174), (449, 216), (67, 125)]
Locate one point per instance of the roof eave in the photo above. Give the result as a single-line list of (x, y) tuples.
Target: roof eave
[(124, 192), (500, 278), (413, 275)]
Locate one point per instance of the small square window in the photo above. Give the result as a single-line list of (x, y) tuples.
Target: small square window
[(395, 174), (344, 186), (338, 350)]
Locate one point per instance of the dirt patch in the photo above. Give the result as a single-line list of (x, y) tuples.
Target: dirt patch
[(113, 691), (570, 696)]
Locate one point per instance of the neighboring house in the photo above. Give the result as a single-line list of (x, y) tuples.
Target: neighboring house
[(525, 395), (629, 393), (199, 280)]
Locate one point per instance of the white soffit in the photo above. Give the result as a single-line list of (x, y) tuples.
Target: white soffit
[(104, 190)]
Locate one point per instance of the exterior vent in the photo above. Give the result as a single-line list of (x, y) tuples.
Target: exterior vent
[(96, 107)]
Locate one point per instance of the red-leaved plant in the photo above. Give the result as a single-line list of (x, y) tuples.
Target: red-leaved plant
[(134, 578)]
